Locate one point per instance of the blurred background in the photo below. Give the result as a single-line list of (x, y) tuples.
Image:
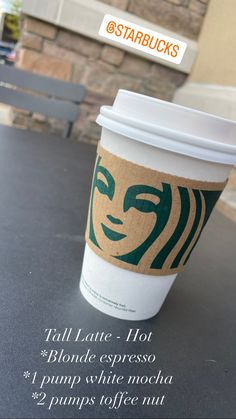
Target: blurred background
[(59, 39), (9, 30)]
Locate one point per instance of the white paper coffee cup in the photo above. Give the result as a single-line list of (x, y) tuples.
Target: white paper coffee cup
[(169, 139)]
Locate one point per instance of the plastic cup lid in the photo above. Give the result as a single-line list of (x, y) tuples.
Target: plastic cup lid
[(171, 127)]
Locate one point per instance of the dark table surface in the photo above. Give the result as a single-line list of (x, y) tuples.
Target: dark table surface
[(44, 184)]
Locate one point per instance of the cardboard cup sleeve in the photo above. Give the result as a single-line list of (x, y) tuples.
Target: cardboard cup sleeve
[(144, 220)]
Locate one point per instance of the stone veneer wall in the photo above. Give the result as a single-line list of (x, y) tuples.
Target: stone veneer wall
[(103, 69)]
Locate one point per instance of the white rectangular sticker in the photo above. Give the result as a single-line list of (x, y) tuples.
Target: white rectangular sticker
[(146, 40)]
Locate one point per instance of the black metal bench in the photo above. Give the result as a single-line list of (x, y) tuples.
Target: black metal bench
[(56, 99)]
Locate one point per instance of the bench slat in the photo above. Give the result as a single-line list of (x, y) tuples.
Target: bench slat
[(42, 84), (53, 108)]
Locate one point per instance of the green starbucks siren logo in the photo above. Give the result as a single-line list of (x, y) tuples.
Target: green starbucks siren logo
[(151, 224)]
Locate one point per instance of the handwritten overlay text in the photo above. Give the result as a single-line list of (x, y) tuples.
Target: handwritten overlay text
[(146, 40)]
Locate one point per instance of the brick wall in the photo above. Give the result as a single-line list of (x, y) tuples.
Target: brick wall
[(182, 16), (102, 69)]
